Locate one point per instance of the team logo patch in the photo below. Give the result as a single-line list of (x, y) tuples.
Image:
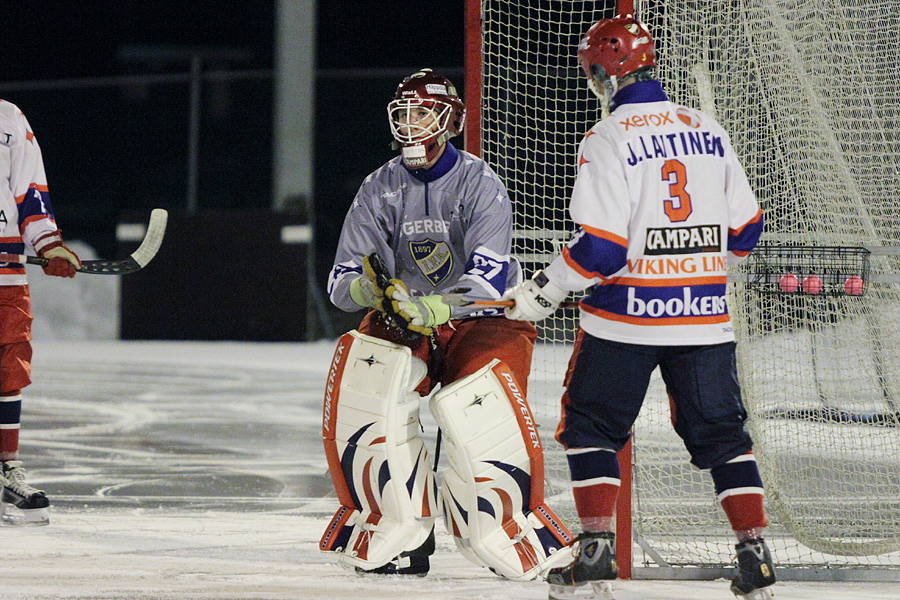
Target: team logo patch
[(434, 259), (683, 240), (688, 117)]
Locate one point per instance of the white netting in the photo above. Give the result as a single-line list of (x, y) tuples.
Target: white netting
[(809, 93), (534, 113)]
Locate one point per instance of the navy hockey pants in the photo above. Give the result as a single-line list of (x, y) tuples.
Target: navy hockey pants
[(607, 381)]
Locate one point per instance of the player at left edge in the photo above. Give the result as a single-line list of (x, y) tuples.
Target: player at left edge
[(29, 222)]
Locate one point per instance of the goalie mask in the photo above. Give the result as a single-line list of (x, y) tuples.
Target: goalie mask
[(613, 49), (426, 112)]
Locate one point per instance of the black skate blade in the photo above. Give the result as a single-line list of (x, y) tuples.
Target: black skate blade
[(11, 516)]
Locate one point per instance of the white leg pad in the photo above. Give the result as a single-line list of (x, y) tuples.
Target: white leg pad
[(379, 465), (493, 490)]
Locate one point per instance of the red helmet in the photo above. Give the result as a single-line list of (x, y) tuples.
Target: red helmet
[(426, 111), (615, 48)]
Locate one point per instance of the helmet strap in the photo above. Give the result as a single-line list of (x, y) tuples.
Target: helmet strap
[(604, 89), (611, 86), (446, 135)]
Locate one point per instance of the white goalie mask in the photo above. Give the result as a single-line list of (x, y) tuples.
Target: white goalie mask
[(426, 112)]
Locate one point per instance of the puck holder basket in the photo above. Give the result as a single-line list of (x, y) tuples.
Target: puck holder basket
[(833, 265)]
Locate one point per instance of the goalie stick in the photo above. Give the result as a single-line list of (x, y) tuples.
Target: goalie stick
[(156, 229), (452, 298)]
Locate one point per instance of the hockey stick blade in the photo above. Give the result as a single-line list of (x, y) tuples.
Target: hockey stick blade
[(139, 259)]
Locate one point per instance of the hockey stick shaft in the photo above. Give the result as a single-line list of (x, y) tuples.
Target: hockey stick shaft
[(567, 304), (156, 229)]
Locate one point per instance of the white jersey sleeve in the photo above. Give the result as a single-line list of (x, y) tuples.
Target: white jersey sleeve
[(745, 216)]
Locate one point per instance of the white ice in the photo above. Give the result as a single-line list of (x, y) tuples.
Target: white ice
[(195, 470)]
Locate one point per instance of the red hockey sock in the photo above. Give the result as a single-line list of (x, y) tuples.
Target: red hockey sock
[(739, 490), (595, 486)]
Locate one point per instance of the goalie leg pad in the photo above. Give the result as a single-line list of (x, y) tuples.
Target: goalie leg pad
[(379, 466), (493, 490)]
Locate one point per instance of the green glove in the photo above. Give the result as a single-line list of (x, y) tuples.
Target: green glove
[(365, 292), (417, 313)]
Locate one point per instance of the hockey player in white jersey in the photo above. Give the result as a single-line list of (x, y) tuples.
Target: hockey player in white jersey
[(26, 219), (663, 207), (433, 221)]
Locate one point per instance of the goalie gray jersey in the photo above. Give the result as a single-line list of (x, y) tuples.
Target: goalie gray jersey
[(447, 227)]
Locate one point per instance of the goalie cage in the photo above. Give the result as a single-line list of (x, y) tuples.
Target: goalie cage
[(820, 373)]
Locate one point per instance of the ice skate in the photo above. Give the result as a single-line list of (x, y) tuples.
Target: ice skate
[(755, 571), (414, 562), (21, 504), (590, 575)]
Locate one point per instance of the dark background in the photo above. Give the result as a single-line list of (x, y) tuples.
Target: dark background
[(113, 149)]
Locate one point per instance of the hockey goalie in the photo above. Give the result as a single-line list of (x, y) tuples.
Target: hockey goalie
[(426, 237)]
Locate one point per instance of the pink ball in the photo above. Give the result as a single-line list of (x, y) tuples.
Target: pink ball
[(789, 283), (854, 285), (812, 284)]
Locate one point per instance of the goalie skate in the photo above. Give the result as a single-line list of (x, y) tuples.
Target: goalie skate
[(20, 503)]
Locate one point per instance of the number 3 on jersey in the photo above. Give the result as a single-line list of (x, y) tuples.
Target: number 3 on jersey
[(678, 205)]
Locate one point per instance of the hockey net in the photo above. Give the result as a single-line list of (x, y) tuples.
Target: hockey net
[(809, 93)]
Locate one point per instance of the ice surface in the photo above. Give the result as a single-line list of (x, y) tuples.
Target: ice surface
[(196, 471)]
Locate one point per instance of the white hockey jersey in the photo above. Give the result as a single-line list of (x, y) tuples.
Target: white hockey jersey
[(663, 208), (26, 217)]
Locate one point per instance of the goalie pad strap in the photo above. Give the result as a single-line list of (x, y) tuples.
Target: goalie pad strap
[(493, 490), (378, 464), (338, 532)]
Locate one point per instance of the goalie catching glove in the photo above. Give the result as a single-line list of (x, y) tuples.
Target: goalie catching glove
[(365, 292), (535, 299), (375, 288)]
